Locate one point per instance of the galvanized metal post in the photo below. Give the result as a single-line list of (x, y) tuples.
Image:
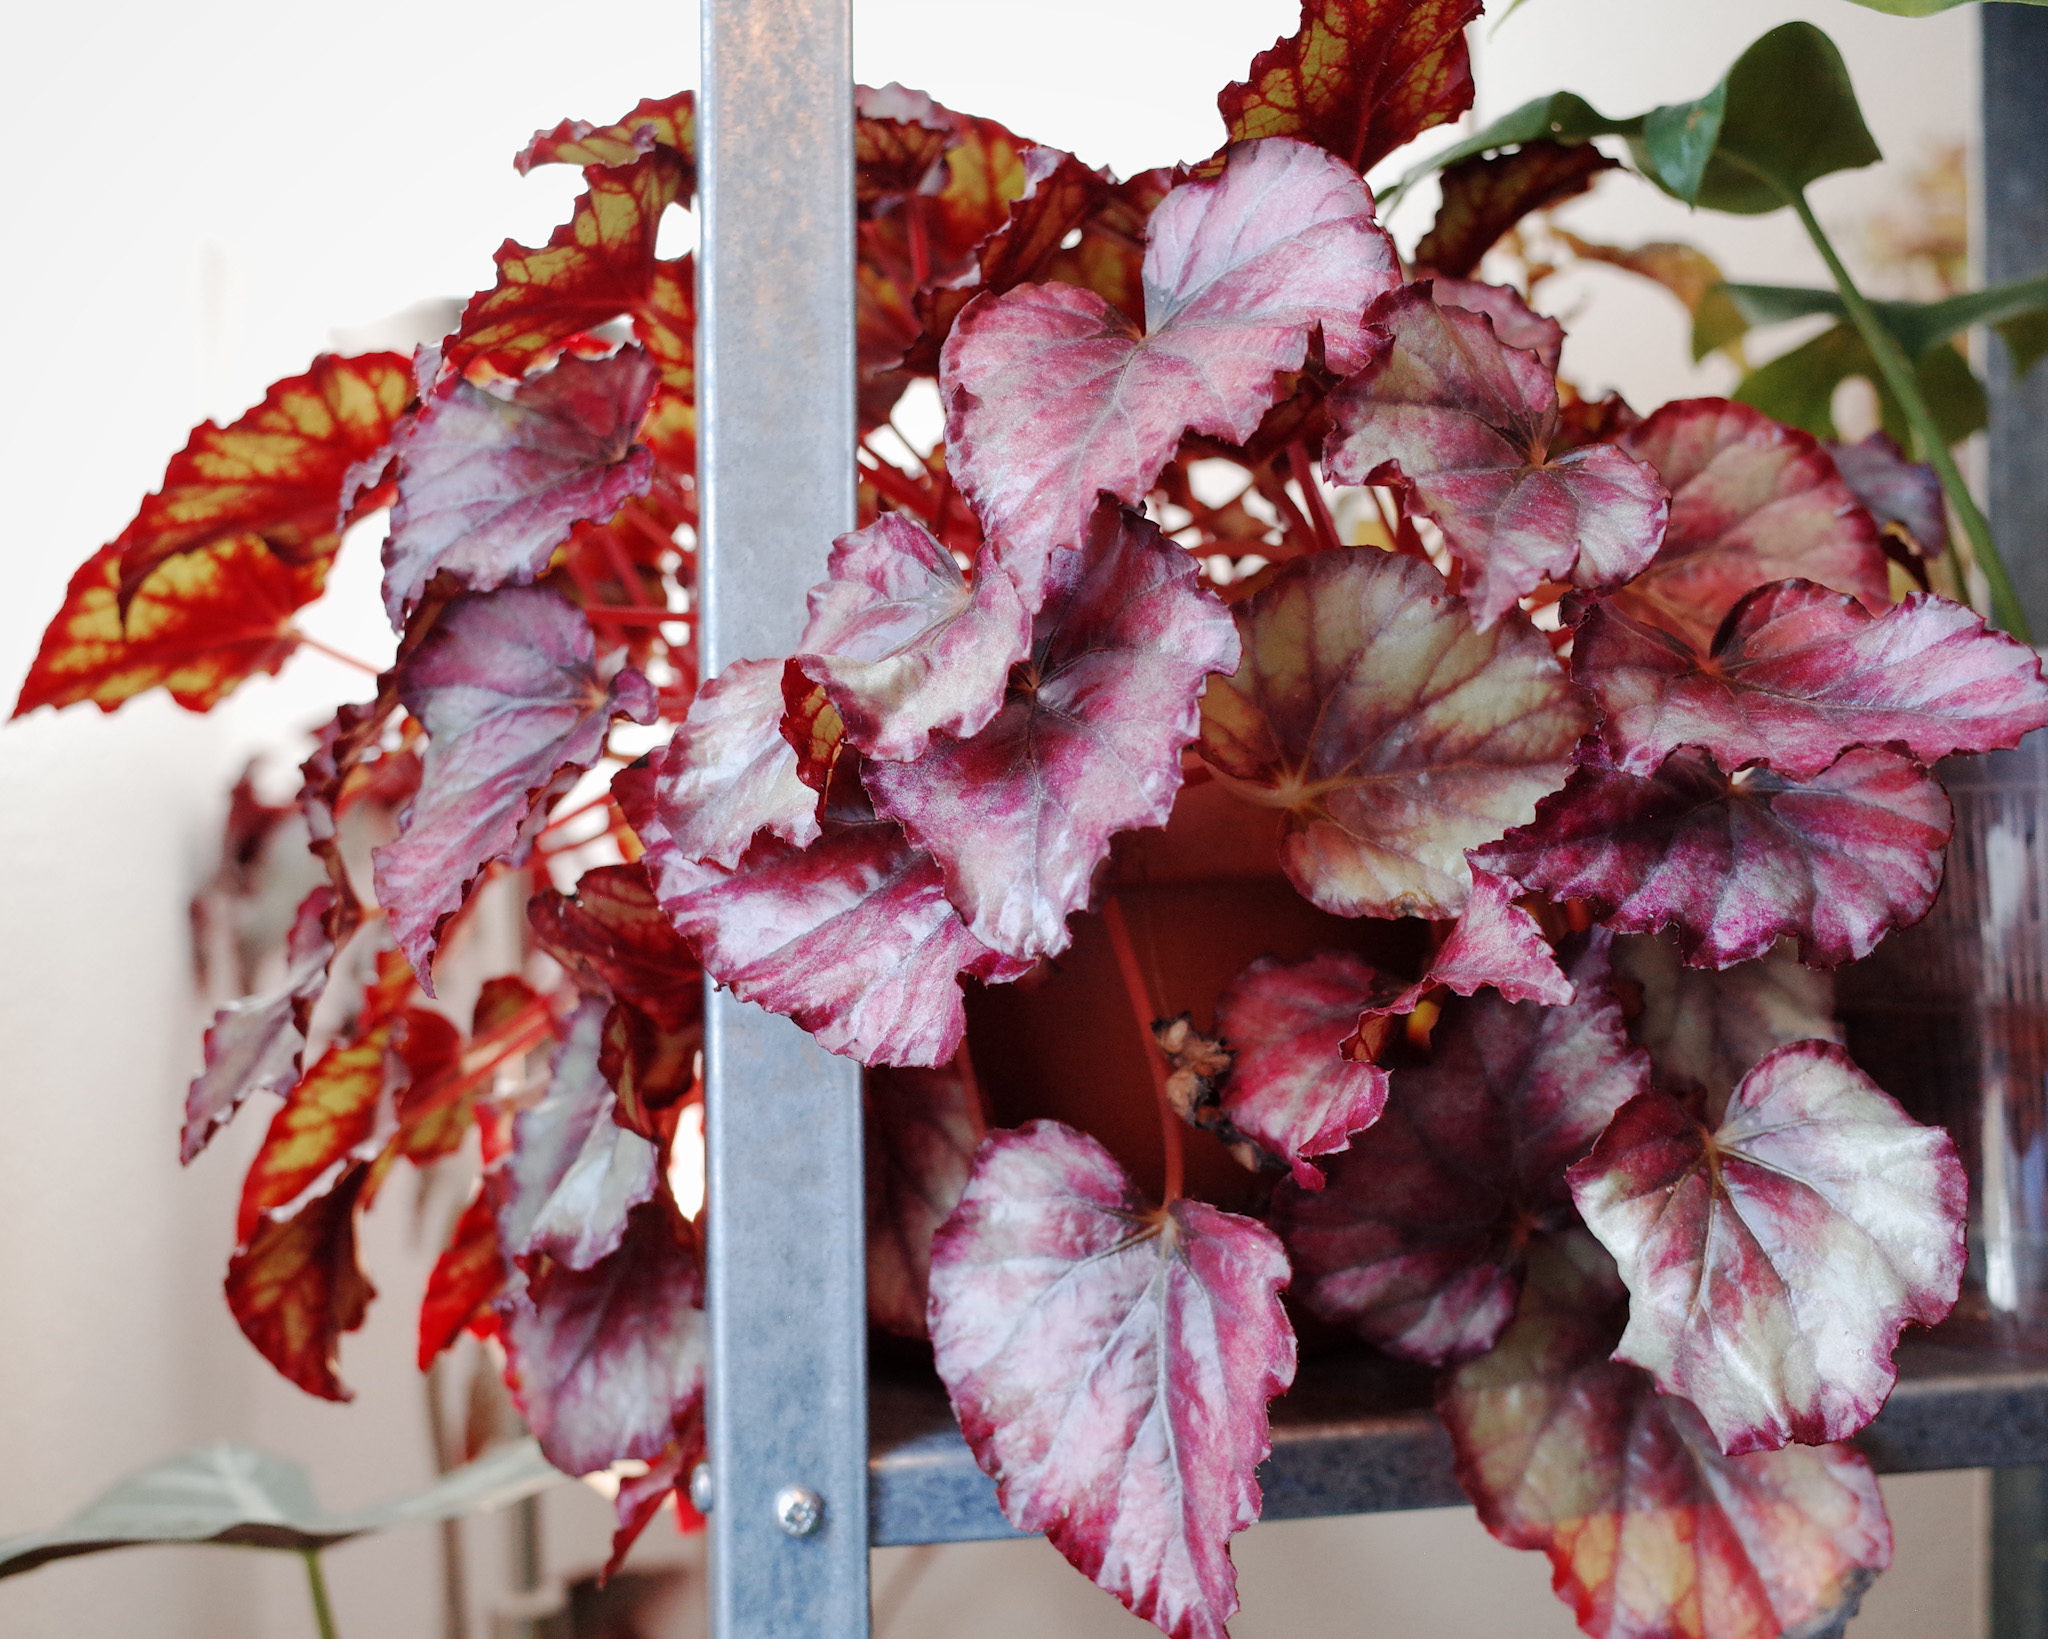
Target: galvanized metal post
[(2015, 171), (788, 1393)]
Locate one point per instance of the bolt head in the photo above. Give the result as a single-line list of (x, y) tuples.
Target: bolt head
[(700, 1488), (799, 1510)]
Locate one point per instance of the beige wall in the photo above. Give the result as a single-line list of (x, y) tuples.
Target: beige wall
[(195, 197)]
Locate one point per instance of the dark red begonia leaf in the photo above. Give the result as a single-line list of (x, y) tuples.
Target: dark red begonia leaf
[(1734, 863), (903, 645), (506, 686), (1087, 744), (254, 1045), (1487, 194), (608, 1362), (1798, 674), (1393, 732), (729, 774), (1291, 1090), (1418, 1244), (1494, 943), (922, 1129), (1466, 425), (203, 621), (1903, 496), (613, 939), (1651, 1532), (296, 1287), (1751, 501), (574, 1173), (655, 122), (492, 479), (1772, 1263), (466, 1278), (1704, 1028), (598, 265), (277, 473), (1053, 396), (852, 937), (1360, 77), (899, 137), (640, 1496), (1110, 1364)]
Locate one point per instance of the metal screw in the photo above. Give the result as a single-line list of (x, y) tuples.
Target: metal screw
[(700, 1488), (799, 1510)]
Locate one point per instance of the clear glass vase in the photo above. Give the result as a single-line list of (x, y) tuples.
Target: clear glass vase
[(1951, 1018)]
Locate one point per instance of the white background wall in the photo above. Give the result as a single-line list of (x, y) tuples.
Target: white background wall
[(196, 199)]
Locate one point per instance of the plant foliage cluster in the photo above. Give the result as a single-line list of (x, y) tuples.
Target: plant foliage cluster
[(1632, 714)]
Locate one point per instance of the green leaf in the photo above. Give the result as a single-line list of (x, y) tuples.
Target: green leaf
[(233, 1495), (1716, 322), (1927, 8), (1562, 116), (2026, 339), (1918, 326), (1784, 115), (1798, 387)]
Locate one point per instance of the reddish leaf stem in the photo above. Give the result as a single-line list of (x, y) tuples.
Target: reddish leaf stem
[(1312, 493), (632, 614), (1144, 1010), (556, 822), (333, 653), (898, 486)]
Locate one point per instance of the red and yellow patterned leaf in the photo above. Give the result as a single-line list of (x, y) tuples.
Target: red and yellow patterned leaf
[(466, 1279), (655, 122), (1088, 741), (331, 1112), (1772, 1263), (1751, 502), (598, 266), (1465, 425), (1360, 78), (1798, 674), (1110, 1364), (1735, 863), (296, 1287), (1418, 1244), (1393, 732), (922, 1130), (282, 473), (1651, 1532), (1486, 195), (202, 622)]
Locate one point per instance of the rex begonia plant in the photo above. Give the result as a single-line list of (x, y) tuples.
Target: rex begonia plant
[(1627, 716)]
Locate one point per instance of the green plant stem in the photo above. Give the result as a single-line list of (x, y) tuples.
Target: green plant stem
[(316, 1585), (1898, 374)]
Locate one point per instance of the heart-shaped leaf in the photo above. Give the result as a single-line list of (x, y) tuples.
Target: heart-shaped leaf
[(903, 645), (1734, 864), (295, 1287), (506, 687), (1053, 397), (1751, 502), (1087, 744), (1772, 1262), (1651, 1532), (1467, 425), (1393, 732), (491, 480), (1110, 1364), (1418, 1243), (1798, 674), (922, 1130)]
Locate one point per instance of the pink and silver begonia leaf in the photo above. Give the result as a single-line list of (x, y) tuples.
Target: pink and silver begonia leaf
[(507, 689), (1495, 944), (1734, 863), (852, 937), (1751, 502), (1903, 496), (1418, 1243), (1705, 1028), (1393, 732), (492, 479), (1465, 423), (573, 1173), (1087, 744), (904, 646), (1515, 322), (1772, 1262), (1053, 396), (922, 1130), (1798, 674), (729, 774), (1651, 1532), (607, 1363), (1110, 1364), (1291, 1090)]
